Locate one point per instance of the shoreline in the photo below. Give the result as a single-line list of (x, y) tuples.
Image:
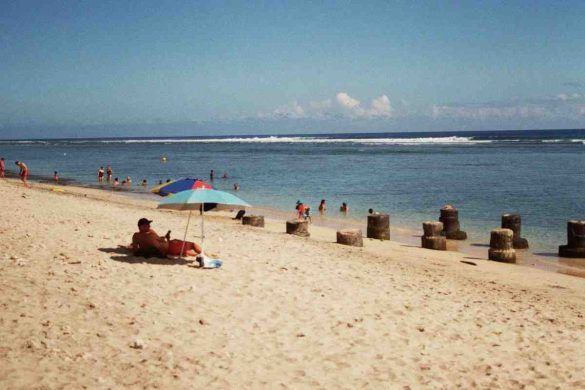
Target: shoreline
[(282, 311), (472, 247)]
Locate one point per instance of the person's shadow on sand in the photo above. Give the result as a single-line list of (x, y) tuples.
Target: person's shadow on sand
[(125, 256)]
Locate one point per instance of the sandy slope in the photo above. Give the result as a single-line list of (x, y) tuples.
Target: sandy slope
[(282, 312)]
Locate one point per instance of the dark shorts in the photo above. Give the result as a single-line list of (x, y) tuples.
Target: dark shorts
[(149, 252)]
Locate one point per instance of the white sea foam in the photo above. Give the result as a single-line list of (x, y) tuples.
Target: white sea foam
[(307, 140), (554, 141)]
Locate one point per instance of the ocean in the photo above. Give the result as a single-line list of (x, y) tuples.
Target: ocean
[(539, 174)]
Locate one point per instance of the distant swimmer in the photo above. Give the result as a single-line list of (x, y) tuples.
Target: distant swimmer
[(23, 172), (225, 176), (144, 183), (100, 174), (109, 173), (2, 167), (116, 182), (236, 187), (212, 175), (344, 208), (56, 176)]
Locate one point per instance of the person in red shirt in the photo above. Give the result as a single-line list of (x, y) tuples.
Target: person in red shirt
[(300, 210), (2, 167)]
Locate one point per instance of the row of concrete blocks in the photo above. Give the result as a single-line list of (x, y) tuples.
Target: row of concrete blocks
[(503, 241)]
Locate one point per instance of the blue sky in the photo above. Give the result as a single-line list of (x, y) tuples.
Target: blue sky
[(267, 67)]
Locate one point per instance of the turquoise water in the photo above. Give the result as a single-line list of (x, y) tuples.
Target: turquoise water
[(539, 174)]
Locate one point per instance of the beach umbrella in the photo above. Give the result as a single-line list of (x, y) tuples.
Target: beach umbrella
[(180, 185), (196, 200)]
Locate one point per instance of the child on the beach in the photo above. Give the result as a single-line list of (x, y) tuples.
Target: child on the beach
[(300, 210), (308, 214)]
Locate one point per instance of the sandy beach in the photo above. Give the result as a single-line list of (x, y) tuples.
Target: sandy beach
[(282, 312)]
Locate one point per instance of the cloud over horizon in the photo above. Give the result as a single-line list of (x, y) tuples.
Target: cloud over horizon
[(342, 106)]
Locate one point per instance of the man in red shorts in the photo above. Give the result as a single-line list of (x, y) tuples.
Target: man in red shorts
[(23, 172)]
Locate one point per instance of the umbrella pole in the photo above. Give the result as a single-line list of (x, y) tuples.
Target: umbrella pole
[(202, 223), (185, 236)]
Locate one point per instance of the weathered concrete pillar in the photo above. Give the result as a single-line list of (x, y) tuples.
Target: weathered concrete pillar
[(450, 218), (379, 226), (351, 237), (253, 220), (576, 240), (514, 223), (501, 248), (432, 238), (298, 228)]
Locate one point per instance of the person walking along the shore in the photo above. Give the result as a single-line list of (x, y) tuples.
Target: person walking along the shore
[(2, 167), (23, 172)]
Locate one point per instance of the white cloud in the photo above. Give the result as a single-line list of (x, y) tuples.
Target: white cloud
[(381, 107), (347, 101), (566, 96), (561, 106), (343, 105)]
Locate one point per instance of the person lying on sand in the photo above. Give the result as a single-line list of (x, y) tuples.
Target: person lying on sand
[(147, 243)]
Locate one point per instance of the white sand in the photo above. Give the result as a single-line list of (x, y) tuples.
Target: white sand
[(283, 311)]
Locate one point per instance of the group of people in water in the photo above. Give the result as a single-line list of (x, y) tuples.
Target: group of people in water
[(304, 210), (108, 174)]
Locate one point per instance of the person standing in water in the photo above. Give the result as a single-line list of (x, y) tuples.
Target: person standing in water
[(109, 173), (56, 176), (23, 172), (100, 174), (212, 175), (2, 167), (322, 207), (344, 208)]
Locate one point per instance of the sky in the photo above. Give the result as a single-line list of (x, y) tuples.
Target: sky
[(111, 68)]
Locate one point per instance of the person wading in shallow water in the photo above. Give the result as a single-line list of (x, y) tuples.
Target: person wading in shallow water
[(322, 207), (109, 173), (23, 172)]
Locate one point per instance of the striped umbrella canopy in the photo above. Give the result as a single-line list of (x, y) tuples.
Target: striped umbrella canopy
[(197, 199), (176, 186)]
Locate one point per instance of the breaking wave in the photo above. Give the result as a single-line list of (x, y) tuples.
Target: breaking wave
[(303, 140)]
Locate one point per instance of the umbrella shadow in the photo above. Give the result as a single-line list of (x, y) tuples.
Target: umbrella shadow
[(125, 256)]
